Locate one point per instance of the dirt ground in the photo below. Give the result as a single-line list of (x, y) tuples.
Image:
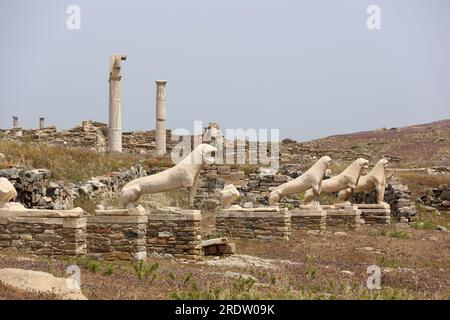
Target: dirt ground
[(414, 264)]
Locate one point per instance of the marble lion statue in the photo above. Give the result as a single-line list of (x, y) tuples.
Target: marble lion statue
[(375, 179), (346, 179), (183, 175), (311, 179), (228, 194)]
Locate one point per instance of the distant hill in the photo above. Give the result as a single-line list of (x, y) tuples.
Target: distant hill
[(417, 145)]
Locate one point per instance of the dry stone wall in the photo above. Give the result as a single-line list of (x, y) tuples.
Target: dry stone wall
[(44, 232), (89, 134), (117, 234), (264, 224), (36, 190), (175, 232)]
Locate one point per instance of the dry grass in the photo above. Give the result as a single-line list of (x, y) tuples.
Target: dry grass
[(66, 163), (417, 182), (431, 219)]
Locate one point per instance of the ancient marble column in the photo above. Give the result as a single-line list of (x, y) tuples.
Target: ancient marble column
[(41, 123), (161, 117), (17, 129), (115, 116)]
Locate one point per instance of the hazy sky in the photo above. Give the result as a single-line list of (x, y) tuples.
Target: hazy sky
[(309, 68)]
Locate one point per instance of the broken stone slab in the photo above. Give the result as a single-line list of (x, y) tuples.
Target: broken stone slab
[(214, 242), (2, 158), (218, 246), (41, 282), (7, 190)]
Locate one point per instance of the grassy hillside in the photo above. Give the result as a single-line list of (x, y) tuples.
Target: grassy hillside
[(419, 145)]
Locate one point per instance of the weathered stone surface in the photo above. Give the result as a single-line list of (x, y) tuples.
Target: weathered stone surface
[(178, 233), (11, 206), (7, 190), (41, 282), (308, 217), (117, 234), (273, 224), (218, 246), (375, 213), (343, 215), (44, 232), (229, 193)]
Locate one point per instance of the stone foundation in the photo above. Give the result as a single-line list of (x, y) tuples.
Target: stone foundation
[(308, 217), (117, 234), (342, 215), (44, 232), (175, 231), (375, 213), (269, 223)]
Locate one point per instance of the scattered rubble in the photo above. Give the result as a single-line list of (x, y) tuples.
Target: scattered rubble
[(242, 261), (437, 198)]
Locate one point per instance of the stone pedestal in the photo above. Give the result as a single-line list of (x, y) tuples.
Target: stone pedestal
[(117, 234), (53, 233), (375, 213), (308, 217), (160, 138), (175, 231), (266, 223), (342, 215)]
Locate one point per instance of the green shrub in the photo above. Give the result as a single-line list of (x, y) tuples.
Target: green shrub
[(145, 271), (399, 234)]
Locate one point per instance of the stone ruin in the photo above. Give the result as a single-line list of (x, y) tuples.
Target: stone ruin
[(134, 232)]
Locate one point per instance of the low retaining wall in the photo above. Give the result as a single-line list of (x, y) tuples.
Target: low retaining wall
[(44, 232), (117, 234), (175, 231), (268, 223)]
